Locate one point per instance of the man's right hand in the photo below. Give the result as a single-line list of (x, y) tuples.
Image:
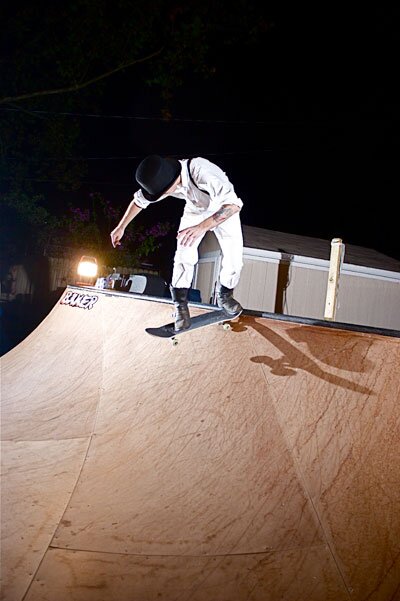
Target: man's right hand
[(116, 235)]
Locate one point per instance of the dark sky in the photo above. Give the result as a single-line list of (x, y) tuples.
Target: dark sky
[(306, 127), (305, 124)]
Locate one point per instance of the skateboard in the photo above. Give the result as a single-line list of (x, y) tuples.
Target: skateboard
[(213, 317)]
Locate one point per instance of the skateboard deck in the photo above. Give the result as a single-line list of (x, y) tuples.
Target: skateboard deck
[(217, 316)]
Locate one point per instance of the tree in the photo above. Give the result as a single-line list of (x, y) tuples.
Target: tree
[(63, 58), (28, 228), (89, 229), (54, 50)]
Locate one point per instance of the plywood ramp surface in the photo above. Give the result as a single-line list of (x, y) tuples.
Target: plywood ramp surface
[(256, 464)]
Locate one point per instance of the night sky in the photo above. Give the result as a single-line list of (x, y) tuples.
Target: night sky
[(305, 124), (306, 127)]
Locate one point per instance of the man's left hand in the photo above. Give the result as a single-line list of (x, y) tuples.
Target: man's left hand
[(188, 236)]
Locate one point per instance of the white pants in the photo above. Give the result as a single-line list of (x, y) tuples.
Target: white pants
[(229, 235)]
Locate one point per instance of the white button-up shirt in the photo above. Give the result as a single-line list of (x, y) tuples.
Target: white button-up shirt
[(208, 177)]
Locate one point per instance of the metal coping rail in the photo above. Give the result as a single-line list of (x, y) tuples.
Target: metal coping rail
[(336, 325)]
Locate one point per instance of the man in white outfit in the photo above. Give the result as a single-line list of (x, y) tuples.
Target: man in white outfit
[(211, 204)]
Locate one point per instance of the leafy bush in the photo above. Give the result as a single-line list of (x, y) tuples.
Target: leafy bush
[(28, 228)]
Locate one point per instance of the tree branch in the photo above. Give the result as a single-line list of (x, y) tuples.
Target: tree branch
[(79, 86)]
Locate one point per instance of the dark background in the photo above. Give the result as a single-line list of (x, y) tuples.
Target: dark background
[(306, 127), (304, 122), (304, 119)]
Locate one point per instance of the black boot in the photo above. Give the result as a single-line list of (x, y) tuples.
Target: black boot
[(226, 301), (181, 315)]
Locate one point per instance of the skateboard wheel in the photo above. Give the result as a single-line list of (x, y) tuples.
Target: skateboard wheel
[(174, 341), (227, 326)]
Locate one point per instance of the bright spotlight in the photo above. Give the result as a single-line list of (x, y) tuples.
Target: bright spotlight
[(87, 267)]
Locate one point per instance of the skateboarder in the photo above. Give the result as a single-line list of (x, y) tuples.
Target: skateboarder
[(210, 204)]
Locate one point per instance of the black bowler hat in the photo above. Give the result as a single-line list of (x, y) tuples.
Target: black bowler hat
[(156, 174)]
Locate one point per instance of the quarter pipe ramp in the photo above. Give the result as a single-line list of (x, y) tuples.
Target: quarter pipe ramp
[(259, 464)]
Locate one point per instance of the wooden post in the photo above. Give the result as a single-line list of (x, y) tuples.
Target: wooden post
[(337, 254)]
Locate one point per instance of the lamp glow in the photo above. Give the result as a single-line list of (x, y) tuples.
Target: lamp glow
[(87, 267)]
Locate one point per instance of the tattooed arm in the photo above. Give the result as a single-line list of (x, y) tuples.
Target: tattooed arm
[(190, 234), (224, 213)]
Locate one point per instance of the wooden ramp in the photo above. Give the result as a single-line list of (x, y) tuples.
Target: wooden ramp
[(258, 464)]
